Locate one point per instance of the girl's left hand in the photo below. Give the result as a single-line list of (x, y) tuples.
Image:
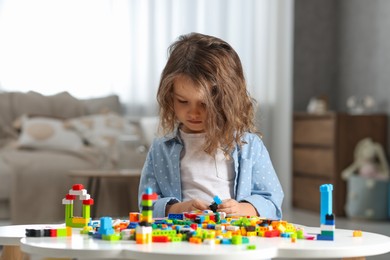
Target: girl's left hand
[(231, 206)]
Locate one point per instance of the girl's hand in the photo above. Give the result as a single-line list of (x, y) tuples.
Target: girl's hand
[(187, 206), (231, 206)]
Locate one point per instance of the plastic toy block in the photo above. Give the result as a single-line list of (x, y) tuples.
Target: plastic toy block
[(195, 240), (148, 203), (106, 226), (70, 197), (357, 233), (328, 227), (294, 237), (217, 200), (66, 202), (149, 196), (111, 237), (251, 247), (272, 233), (77, 187), (226, 241), (327, 233), (327, 238), (88, 202), (70, 220), (237, 240), (78, 192), (160, 239), (134, 216), (53, 232), (300, 234), (209, 241), (61, 232), (285, 235), (250, 228), (127, 234), (34, 232), (326, 201)]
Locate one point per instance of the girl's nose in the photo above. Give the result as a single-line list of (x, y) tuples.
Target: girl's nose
[(194, 110)]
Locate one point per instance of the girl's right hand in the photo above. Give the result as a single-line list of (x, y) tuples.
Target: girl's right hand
[(187, 206)]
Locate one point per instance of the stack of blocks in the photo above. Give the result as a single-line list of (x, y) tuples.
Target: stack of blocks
[(216, 202), (327, 219), (106, 232), (70, 220), (143, 232)]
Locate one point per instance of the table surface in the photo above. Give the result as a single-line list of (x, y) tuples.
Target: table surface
[(82, 246), (106, 173), (11, 235)]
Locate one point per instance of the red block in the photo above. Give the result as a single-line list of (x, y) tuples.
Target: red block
[(272, 233), (149, 197), (53, 232), (88, 202), (78, 187), (161, 239), (70, 197)]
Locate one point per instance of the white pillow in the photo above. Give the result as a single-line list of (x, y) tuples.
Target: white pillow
[(102, 130), (48, 133)]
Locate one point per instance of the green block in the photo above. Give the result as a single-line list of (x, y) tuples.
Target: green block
[(176, 239), (61, 232), (237, 240), (251, 247), (112, 237)]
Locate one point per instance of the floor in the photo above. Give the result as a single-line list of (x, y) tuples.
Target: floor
[(308, 218)]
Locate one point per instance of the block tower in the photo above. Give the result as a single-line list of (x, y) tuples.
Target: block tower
[(70, 220), (144, 229), (327, 219)]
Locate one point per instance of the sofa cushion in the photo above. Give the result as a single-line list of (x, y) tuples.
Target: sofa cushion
[(64, 105), (5, 177), (31, 103), (102, 105), (6, 118), (102, 130), (48, 133)]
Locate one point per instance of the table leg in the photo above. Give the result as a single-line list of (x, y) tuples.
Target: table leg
[(94, 189), (95, 196), (13, 253)]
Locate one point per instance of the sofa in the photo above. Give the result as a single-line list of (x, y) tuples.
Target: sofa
[(43, 138)]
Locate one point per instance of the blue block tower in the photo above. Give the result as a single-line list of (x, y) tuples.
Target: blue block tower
[(326, 201), (327, 219)]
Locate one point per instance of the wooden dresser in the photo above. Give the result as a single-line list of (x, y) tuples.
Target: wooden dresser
[(323, 146)]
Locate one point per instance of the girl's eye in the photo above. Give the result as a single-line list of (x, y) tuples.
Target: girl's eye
[(182, 101)]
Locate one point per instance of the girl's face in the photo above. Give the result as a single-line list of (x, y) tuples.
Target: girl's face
[(189, 105)]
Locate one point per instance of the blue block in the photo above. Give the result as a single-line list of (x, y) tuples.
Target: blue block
[(217, 200), (326, 201), (175, 216), (327, 238)]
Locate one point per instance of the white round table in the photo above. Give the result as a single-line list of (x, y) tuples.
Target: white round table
[(82, 246)]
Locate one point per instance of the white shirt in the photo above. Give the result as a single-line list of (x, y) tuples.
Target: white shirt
[(202, 175)]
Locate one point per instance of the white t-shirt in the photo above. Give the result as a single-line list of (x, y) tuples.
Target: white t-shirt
[(202, 175)]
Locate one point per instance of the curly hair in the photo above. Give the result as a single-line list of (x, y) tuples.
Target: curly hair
[(215, 68)]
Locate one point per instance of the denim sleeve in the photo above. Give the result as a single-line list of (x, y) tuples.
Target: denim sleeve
[(149, 180), (266, 193)]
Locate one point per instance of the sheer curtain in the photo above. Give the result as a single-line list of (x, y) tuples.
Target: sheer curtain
[(97, 47)]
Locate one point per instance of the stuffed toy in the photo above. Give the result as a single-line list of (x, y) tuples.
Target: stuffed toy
[(369, 161)]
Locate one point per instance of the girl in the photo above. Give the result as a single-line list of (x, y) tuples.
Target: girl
[(209, 147)]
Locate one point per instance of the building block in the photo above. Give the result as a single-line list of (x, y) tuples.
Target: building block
[(326, 201)]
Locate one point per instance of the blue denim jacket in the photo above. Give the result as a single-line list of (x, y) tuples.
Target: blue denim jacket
[(255, 179)]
